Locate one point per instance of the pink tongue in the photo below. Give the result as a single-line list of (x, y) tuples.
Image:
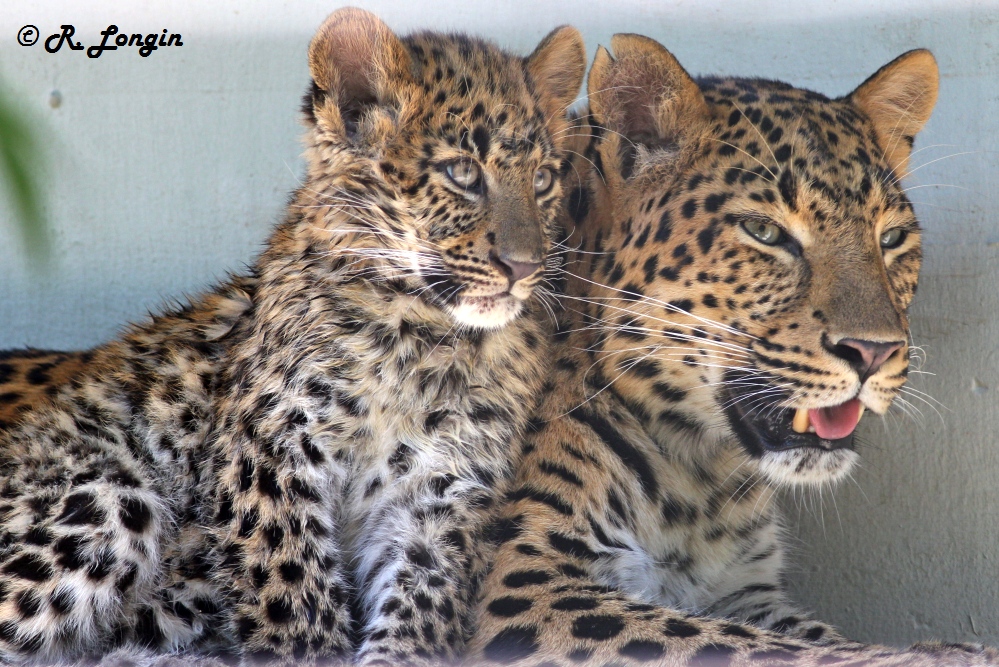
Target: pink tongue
[(837, 421)]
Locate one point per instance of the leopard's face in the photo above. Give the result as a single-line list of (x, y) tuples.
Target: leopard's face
[(481, 175), (465, 144), (763, 270)]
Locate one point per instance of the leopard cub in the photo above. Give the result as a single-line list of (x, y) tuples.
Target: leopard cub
[(295, 463)]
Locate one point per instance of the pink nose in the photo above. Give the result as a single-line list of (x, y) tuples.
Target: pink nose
[(865, 356), (513, 269)]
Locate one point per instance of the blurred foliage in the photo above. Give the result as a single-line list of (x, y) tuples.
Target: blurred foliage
[(21, 170)]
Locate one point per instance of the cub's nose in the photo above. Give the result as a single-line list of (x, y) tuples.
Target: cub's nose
[(513, 269), (865, 356)]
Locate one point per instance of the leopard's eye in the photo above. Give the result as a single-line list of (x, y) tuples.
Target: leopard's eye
[(465, 173), (893, 238), (543, 179), (765, 232)]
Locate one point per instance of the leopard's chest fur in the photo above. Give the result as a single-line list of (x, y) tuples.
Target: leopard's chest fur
[(669, 529), (405, 396)]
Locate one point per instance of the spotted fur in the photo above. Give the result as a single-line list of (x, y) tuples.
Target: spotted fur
[(29, 377), (641, 526), (295, 464)]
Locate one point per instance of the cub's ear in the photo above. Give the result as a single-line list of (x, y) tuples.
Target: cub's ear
[(643, 93), (557, 67), (355, 57), (898, 99)]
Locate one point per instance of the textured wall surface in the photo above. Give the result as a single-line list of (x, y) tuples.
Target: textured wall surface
[(167, 171)]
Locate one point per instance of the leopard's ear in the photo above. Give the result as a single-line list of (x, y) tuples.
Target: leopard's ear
[(355, 58), (557, 67), (643, 93), (898, 99)]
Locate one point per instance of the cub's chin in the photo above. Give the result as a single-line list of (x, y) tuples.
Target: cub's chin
[(486, 312)]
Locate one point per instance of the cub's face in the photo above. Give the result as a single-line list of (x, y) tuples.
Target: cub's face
[(763, 254), (464, 143), (481, 174)]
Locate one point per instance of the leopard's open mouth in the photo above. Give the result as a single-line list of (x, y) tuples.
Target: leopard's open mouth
[(769, 429)]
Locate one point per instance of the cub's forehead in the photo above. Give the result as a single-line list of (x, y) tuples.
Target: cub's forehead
[(465, 62), (797, 139), (469, 82)]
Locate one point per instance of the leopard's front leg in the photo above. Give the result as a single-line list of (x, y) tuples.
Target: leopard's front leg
[(542, 606), (277, 550), (418, 569), (766, 607)]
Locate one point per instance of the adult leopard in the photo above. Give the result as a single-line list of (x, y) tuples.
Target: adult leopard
[(294, 464), (746, 257)]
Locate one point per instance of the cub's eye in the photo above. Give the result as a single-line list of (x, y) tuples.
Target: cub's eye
[(893, 238), (543, 179), (465, 174), (763, 231)]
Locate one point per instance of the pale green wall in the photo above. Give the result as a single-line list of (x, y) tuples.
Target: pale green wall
[(168, 171)]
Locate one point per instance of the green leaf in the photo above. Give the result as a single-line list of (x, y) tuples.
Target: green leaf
[(21, 170)]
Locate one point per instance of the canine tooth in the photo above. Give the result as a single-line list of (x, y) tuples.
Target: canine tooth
[(861, 414), (801, 421)]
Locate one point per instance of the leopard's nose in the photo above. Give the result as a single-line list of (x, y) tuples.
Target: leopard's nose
[(865, 356), (513, 269)]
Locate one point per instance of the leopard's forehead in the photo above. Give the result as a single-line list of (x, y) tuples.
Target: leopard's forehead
[(469, 86), (800, 149)]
